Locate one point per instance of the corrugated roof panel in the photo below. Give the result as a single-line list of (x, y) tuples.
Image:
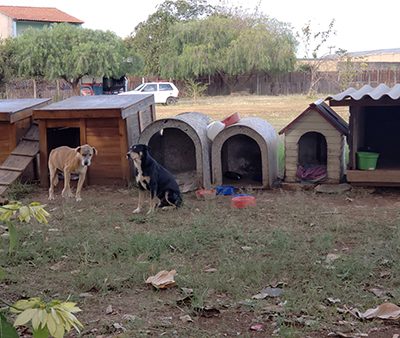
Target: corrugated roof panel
[(368, 91)]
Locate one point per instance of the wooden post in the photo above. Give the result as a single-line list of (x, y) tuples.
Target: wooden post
[(124, 149), (44, 171), (34, 88)]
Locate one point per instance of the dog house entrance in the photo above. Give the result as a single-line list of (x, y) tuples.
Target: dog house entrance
[(312, 158), (57, 137), (241, 161), (63, 136), (175, 151)]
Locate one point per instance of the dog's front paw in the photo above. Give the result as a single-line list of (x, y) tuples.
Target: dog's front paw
[(67, 194), (51, 198), (78, 198), (136, 211), (150, 211)]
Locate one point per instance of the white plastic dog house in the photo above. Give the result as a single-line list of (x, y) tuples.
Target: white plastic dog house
[(247, 148)]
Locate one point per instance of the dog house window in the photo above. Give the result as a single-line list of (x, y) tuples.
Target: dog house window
[(241, 161), (174, 149), (65, 136), (312, 149)]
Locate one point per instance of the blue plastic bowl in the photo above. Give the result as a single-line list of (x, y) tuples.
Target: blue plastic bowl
[(225, 190)]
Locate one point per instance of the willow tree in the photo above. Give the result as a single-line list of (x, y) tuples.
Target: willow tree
[(150, 37), (227, 47), (70, 52)]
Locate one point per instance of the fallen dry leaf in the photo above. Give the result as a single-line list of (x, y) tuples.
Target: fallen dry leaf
[(109, 310), (210, 270), (268, 292), (257, 327), (186, 319), (383, 311), (162, 280)]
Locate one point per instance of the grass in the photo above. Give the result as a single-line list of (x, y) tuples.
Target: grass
[(99, 254)]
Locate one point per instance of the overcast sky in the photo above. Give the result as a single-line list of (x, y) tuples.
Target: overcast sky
[(360, 25)]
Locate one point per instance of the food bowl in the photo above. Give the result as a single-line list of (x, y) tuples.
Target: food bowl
[(243, 201), (205, 194), (232, 119), (225, 190)]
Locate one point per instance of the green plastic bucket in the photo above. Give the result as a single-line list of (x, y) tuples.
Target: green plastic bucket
[(367, 160)]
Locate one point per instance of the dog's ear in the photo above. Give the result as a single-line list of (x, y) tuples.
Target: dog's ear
[(78, 149), (95, 150)]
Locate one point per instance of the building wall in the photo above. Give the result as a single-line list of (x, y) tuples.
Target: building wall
[(313, 121), (21, 26), (6, 26)]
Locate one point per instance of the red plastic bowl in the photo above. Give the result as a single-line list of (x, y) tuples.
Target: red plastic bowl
[(205, 194), (232, 119), (241, 202)]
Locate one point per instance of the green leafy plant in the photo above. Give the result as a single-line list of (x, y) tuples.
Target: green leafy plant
[(54, 318), (16, 211), (195, 89)]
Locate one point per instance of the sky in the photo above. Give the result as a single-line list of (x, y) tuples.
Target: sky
[(359, 25)]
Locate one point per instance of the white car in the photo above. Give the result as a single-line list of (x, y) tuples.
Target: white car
[(164, 92)]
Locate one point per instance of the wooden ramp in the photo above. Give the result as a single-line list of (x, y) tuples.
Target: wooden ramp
[(20, 158)]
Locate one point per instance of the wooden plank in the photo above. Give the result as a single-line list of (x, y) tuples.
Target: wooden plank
[(32, 134), (3, 189), (103, 123), (17, 162), (123, 137), (330, 136), (21, 128), (7, 176), (72, 123), (26, 148), (44, 171), (374, 176), (75, 114)]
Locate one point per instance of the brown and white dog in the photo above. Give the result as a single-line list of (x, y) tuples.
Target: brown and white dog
[(70, 160)]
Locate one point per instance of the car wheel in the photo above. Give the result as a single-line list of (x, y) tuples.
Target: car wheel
[(170, 100)]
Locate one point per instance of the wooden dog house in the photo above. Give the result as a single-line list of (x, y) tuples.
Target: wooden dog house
[(315, 145), (374, 126), (181, 145), (15, 120), (247, 148), (110, 123), (19, 142)]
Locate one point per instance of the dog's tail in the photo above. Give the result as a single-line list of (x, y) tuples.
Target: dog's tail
[(171, 198)]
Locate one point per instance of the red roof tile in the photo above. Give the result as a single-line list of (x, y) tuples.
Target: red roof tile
[(46, 14)]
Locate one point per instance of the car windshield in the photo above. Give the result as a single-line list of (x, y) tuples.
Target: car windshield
[(139, 87)]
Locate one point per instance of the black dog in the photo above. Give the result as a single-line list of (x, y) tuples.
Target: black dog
[(153, 177)]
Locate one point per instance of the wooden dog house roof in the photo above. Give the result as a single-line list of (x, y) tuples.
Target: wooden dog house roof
[(125, 105), (327, 113), (10, 108)]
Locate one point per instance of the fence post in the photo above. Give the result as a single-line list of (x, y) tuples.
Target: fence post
[(34, 88)]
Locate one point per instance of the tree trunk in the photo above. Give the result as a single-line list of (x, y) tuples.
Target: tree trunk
[(75, 87)]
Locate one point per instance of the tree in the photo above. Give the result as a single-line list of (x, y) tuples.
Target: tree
[(70, 52), (150, 37), (228, 46), (7, 66), (313, 43)]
